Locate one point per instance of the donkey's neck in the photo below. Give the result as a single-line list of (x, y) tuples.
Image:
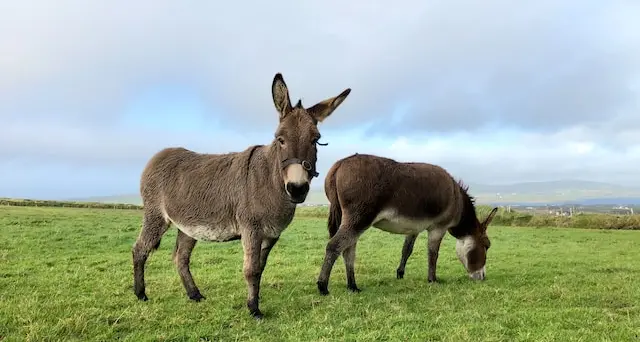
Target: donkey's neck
[(275, 166), (468, 218), (265, 159)]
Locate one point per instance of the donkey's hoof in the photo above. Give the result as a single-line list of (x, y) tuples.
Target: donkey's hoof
[(323, 288), (433, 280), (354, 289), (196, 297), (399, 274), (257, 315), (142, 296)]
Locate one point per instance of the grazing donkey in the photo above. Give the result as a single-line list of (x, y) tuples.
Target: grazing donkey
[(249, 195), (400, 198)]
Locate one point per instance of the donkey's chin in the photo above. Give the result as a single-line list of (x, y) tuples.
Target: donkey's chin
[(297, 199), (478, 275)]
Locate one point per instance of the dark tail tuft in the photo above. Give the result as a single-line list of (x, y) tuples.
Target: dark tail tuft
[(331, 191), (335, 217)]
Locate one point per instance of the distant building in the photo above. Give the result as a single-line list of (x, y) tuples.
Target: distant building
[(621, 210)]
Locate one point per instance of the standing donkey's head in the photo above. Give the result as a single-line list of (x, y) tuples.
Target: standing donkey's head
[(472, 249), (296, 137)]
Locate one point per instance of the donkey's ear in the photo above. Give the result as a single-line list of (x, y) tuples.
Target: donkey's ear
[(322, 110), (280, 94), (487, 221)]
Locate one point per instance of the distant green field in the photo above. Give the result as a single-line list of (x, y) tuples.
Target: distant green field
[(66, 274)]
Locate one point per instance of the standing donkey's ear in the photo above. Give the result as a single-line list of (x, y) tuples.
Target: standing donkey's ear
[(487, 221), (280, 94), (322, 110)]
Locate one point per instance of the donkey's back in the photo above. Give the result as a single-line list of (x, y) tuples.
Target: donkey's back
[(415, 191)]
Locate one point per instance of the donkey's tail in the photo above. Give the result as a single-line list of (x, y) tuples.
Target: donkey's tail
[(335, 212), (335, 217)]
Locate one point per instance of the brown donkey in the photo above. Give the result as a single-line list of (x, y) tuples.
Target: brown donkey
[(249, 195), (400, 198)]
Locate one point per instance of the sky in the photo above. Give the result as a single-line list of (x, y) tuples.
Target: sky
[(495, 91)]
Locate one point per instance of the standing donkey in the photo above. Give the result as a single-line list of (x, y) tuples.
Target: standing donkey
[(400, 198), (249, 195)]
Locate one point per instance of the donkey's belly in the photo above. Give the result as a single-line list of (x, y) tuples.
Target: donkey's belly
[(390, 221), (210, 233)]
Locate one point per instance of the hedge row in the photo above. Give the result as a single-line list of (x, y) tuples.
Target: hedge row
[(502, 218), (522, 219), (66, 204)]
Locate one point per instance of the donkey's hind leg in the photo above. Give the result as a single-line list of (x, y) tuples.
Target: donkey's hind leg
[(182, 257), (407, 249), (346, 237), (154, 226), (349, 256)]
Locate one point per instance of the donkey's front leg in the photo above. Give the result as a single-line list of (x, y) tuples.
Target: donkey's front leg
[(267, 245), (434, 238), (407, 249), (251, 243)]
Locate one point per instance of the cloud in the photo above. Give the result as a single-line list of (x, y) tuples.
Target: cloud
[(507, 157), (91, 82)]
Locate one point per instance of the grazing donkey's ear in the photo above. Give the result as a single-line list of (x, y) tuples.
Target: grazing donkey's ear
[(280, 94), (489, 218), (322, 110)]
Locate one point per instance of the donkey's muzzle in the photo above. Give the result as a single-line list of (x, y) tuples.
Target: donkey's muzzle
[(297, 192), (478, 275)]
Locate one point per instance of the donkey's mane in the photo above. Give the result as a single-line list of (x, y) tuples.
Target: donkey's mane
[(465, 190), (468, 219)]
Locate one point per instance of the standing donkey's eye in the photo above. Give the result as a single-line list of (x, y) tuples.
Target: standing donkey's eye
[(281, 140)]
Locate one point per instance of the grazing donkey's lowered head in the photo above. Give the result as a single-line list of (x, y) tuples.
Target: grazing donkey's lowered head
[(297, 137), (472, 241), (249, 195)]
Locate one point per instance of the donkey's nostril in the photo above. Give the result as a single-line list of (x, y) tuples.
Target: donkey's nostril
[(297, 191)]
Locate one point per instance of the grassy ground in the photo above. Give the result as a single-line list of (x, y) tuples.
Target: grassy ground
[(65, 274)]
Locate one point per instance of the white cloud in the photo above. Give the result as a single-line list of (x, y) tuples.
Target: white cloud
[(495, 90), (511, 158)]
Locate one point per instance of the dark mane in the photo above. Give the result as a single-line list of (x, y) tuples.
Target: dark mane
[(468, 220), (299, 104), (465, 190)]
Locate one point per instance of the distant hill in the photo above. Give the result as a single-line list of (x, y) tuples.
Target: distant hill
[(561, 191), (127, 199), (526, 193)]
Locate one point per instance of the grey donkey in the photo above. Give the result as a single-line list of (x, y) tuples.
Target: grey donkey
[(249, 195)]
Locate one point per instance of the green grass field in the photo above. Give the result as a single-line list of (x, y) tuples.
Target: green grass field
[(66, 274)]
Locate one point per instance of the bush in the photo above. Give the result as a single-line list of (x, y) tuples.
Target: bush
[(66, 204)]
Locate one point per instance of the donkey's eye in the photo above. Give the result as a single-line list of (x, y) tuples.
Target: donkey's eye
[(281, 140)]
